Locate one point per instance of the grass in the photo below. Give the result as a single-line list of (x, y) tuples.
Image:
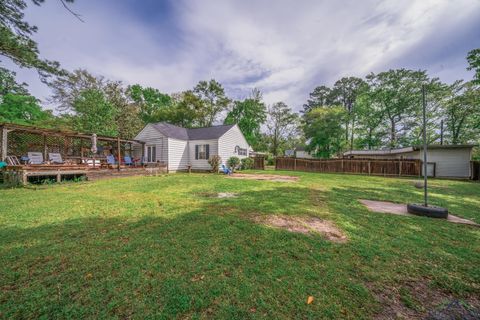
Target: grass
[(156, 247)]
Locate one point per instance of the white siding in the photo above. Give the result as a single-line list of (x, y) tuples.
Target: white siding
[(450, 163), (178, 158), (151, 136), (202, 164), (229, 141)]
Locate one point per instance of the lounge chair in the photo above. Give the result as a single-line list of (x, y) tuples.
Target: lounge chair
[(55, 158), (35, 157), (13, 161), (226, 170), (111, 160), (128, 161)]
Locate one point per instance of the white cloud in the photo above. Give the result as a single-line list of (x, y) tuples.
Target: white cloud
[(285, 48)]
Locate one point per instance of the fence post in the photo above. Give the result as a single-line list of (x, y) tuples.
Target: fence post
[(369, 169), (400, 168), (4, 142), (343, 168), (295, 164)]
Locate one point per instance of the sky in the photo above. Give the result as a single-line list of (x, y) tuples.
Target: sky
[(285, 48)]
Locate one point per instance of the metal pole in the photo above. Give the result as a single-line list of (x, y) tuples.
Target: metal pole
[(424, 148)]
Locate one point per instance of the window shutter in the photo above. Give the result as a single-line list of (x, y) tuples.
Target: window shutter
[(196, 152), (207, 151)]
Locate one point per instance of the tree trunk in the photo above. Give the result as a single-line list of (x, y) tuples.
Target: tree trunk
[(393, 134)]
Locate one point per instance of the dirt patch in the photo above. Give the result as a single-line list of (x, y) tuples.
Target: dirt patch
[(418, 300), (268, 177), (305, 225), (401, 209), (219, 195)]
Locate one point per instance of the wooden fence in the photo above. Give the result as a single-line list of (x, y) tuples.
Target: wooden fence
[(384, 167), (259, 162), (475, 165)]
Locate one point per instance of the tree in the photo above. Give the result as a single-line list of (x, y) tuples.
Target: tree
[(345, 92), (320, 97), (94, 113), (16, 42), (473, 59), (152, 103), (370, 116), (460, 111), (21, 109), (215, 101), (323, 128), (8, 84), (128, 115), (249, 114), (187, 110), (398, 94), (282, 124)]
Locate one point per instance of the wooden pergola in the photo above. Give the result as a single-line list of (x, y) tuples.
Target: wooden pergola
[(17, 140)]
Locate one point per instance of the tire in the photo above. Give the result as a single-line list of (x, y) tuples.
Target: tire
[(432, 212)]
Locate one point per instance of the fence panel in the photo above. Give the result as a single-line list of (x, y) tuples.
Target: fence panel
[(383, 167)]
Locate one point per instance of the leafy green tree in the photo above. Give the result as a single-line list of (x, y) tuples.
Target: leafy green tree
[(461, 112), (398, 93), (282, 125), (16, 42), (371, 115), (212, 94), (324, 131), (345, 92), (8, 84), (94, 113), (152, 103), (249, 114), (21, 109), (473, 59), (321, 96), (187, 110)]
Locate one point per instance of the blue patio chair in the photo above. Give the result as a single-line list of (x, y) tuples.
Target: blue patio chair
[(226, 170), (111, 160), (128, 161)]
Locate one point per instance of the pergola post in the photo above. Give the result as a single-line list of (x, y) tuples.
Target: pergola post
[(118, 153), (4, 139), (45, 151)]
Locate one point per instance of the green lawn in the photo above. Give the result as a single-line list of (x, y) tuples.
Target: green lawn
[(156, 247)]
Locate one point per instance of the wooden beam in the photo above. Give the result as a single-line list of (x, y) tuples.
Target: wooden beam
[(4, 139), (118, 154)]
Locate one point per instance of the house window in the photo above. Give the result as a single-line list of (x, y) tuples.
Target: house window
[(202, 151), (151, 153), (240, 151)]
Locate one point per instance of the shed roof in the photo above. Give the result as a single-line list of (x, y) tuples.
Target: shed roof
[(406, 149), (180, 133)]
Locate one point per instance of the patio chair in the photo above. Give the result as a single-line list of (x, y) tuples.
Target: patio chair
[(128, 161), (35, 157), (55, 158), (13, 161), (226, 170), (111, 160)]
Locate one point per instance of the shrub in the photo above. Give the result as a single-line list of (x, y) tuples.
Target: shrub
[(247, 163), (214, 162), (233, 162)]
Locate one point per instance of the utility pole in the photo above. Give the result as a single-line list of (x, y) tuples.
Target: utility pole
[(424, 147)]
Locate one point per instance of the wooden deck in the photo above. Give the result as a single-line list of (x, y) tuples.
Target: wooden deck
[(19, 175)]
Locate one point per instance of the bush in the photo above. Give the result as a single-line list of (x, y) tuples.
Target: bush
[(233, 162), (247, 163), (214, 162)]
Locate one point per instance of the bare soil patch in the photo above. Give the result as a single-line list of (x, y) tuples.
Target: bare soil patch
[(269, 177), (418, 300), (305, 225), (401, 209), (220, 195)]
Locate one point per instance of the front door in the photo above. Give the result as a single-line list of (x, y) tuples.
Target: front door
[(151, 154)]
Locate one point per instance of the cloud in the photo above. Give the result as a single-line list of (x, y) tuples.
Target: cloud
[(285, 48)]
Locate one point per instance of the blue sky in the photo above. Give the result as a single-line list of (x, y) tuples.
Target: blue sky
[(284, 48)]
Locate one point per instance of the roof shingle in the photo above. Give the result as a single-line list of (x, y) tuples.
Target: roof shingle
[(180, 133)]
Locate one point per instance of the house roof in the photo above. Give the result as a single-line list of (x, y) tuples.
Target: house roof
[(180, 133), (406, 149)]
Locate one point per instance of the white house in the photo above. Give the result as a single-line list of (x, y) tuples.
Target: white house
[(180, 148), (445, 161)]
